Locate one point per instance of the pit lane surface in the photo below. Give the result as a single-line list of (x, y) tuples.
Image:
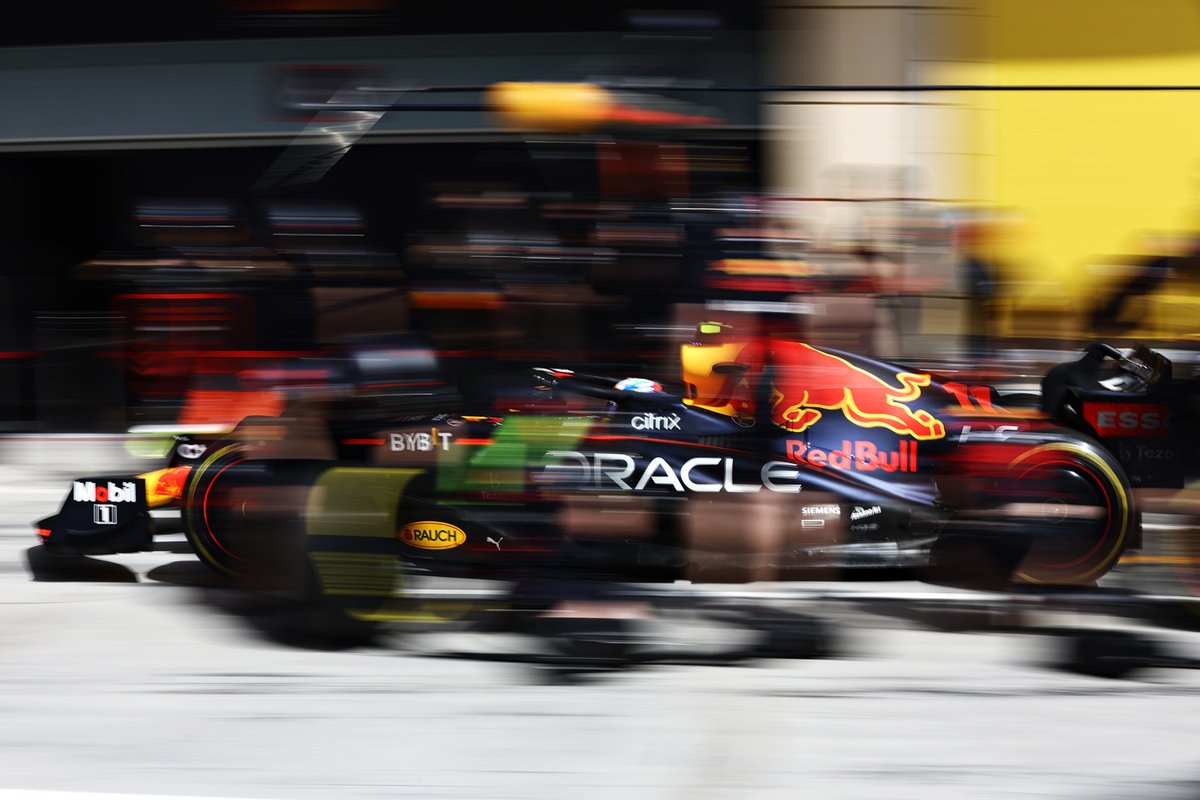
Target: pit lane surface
[(160, 685)]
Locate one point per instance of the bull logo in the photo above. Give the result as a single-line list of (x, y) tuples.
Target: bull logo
[(811, 379)]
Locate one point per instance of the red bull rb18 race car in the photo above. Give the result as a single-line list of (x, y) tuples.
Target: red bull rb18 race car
[(771, 459)]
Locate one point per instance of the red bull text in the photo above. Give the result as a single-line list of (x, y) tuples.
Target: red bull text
[(856, 456)]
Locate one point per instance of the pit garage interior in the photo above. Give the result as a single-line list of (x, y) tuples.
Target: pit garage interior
[(117, 154)]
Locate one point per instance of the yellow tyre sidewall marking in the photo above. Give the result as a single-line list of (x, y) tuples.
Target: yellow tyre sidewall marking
[(190, 508)]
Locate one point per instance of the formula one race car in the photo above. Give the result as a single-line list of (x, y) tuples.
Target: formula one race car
[(775, 460)]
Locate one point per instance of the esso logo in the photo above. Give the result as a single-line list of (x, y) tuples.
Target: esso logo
[(1127, 419)]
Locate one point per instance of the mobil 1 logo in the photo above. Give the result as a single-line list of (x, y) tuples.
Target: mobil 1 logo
[(104, 500)]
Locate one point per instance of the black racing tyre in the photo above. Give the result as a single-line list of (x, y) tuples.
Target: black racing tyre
[(245, 518), (281, 525), (1053, 513), (1082, 515), (203, 529)]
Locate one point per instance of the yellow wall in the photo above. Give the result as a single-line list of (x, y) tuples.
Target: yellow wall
[(1090, 173)]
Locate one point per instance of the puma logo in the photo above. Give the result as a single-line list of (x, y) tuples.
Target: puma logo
[(496, 541)]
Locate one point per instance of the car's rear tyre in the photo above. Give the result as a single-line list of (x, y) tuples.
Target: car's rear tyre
[(1088, 516), (1054, 513)]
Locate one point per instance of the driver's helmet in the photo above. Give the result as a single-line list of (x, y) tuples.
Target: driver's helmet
[(719, 370)]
